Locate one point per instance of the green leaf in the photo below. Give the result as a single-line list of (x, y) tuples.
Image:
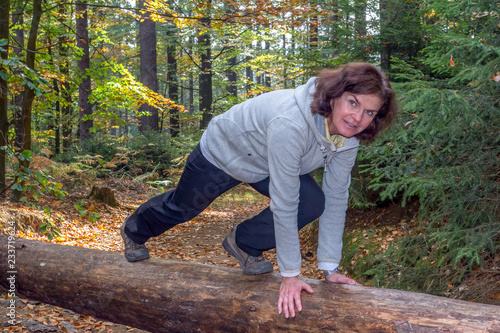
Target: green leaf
[(26, 156), (17, 187)]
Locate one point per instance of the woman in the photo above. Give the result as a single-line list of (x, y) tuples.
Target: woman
[(273, 142)]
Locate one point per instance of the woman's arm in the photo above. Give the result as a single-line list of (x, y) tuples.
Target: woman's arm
[(336, 181)]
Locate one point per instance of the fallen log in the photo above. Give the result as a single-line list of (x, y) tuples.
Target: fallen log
[(166, 296)]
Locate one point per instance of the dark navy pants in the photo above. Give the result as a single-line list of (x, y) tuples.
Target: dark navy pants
[(200, 184)]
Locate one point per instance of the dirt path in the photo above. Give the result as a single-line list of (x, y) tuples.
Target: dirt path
[(200, 240)]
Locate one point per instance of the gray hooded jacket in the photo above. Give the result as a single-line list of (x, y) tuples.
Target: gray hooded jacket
[(276, 135)]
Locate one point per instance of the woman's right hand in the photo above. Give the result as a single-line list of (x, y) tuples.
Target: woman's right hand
[(290, 290)]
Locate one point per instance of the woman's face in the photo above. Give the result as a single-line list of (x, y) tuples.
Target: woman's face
[(352, 113)]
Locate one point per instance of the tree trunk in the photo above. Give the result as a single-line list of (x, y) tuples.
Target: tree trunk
[(250, 84), (18, 37), (29, 92), (55, 118), (249, 74), (206, 75), (360, 18), (173, 82), (285, 65), (231, 75), (167, 296), (66, 123), (148, 67), (4, 121), (232, 87), (84, 91), (267, 45), (335, 28), (191, 93), (313, 33), (385, 53), (190, 88)]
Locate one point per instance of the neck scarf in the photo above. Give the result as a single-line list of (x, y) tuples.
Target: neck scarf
[(337, 139)]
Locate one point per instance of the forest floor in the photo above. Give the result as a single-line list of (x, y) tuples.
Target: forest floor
[(198, 240)]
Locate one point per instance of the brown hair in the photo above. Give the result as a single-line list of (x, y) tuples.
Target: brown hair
[(357, 78)]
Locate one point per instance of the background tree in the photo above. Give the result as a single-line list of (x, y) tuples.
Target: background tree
[(65, 125), (205, 77), (18, 41), (4, 122), (29, 90), (84, 88), (148, 66), (30, 87), (172, 80)]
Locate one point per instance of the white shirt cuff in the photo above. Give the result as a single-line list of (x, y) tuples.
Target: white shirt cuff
[(290, 274), (329, 266)]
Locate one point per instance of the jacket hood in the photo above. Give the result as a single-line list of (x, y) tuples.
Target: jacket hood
[(304, 98)]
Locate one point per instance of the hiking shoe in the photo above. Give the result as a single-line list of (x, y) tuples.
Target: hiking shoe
[(250, 265), (133, 251)]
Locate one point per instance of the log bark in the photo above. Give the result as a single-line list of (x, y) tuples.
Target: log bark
[(166, 296)]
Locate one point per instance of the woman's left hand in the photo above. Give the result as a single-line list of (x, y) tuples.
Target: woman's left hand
[(339, 278)]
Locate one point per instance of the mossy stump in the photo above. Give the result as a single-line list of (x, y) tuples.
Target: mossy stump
[(104, 194)]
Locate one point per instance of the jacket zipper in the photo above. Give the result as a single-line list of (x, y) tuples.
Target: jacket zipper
[(325, 154)]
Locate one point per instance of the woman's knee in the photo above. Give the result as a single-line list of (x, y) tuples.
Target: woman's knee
[(316, 205), (312, 199)]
